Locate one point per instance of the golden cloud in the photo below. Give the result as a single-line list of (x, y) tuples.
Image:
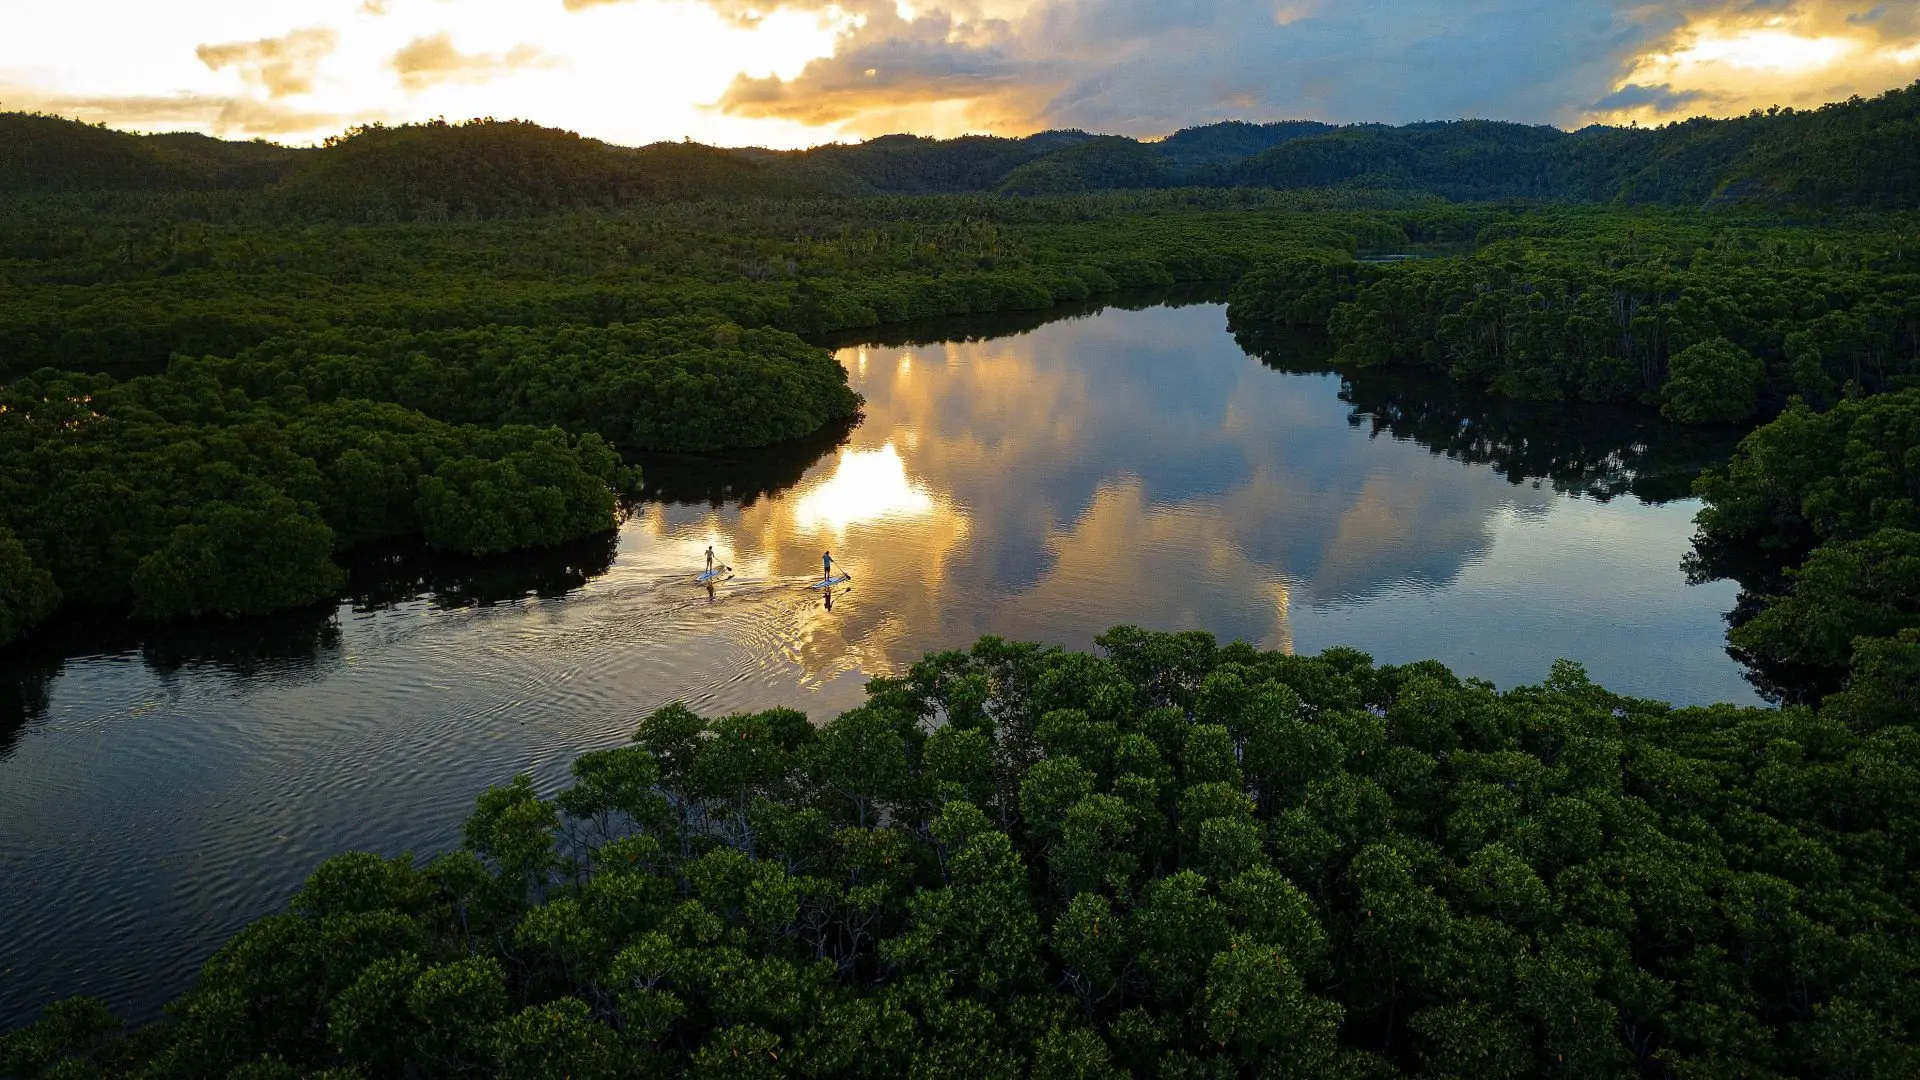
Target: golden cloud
[(875, 17), (1735, 57), (282, 66), (1146, 67), (893, 74), (136, 111), (170, 112), (931, 107), (430, 61), (251, 117)]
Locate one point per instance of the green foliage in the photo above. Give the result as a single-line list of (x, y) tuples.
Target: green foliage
[(1174, 860), (536, 497), (1232, 140), (1818, 517), (46, 153), (62, 1041), (1847, 589), (27, 591), (559, 1038), (1883, 685), (1576, 884), (1105, 163), (280, 383), (916, 165), (179, 495), (1711, 382), (491, 168), (1852, 153), (681, 384), (1712, 320), (1469, 1040), (238, 560)]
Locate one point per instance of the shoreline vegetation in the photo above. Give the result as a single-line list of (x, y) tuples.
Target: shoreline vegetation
[(1170, 859), (225, 369)]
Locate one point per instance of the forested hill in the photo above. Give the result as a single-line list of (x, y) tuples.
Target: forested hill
[(1857, 153), (508, 169), (45, 153), (483, 168)]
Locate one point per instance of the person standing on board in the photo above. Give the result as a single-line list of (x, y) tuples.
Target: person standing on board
[(709, 558), (826, 566)]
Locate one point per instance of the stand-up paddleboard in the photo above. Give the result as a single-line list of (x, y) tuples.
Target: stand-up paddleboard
[(713, 575), (828, 583)]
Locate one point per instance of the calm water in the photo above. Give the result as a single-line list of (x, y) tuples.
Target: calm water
[(1124, 466)]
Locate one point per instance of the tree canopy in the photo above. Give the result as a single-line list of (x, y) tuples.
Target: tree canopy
[(263, 398), (1713, 322), (1170, 859), (1818, 517)]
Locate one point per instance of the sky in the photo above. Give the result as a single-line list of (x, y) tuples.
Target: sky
[(790, 73)]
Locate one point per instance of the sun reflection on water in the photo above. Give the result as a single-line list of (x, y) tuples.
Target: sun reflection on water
[(866, 486)]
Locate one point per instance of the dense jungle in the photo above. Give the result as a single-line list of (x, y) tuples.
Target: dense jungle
[(1175, 859), (228, 368)]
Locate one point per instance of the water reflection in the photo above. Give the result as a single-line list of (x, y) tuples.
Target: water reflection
[(1136, 467), (159, 788), (289, 643), (293, 644), (866, 487), (396, 574), (741, 476), (949, 329), (1597, 450), (24, 687)]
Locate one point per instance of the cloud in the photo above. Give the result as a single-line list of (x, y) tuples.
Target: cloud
[(138, 111), (1145, 67), (220, 114), (909, 64), (1739, 55), (1662, 98), (253, 117), (794, 71), (430, 61), (1420, 60), (282, 66), (883, 13)]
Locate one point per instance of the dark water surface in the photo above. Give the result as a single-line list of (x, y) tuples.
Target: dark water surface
[(1131, 466)]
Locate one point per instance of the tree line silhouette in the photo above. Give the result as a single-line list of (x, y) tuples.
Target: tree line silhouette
[(1855, 153)]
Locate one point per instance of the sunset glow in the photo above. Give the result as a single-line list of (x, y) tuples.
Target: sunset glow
[(791, 73), (866, 486), (1765, 50), (1810, 55)]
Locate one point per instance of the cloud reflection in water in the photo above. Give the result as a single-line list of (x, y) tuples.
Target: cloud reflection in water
[(1125, 466), (1140, 467)]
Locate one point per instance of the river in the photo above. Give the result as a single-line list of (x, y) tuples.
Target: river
[(1033, 479)]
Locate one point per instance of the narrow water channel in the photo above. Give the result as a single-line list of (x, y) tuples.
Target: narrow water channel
[(158, 791)]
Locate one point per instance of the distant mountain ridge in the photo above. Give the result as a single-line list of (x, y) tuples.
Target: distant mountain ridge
[(1856, 153)]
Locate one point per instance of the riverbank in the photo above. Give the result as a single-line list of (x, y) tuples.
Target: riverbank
[(1123, 466), (1083, 866)]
